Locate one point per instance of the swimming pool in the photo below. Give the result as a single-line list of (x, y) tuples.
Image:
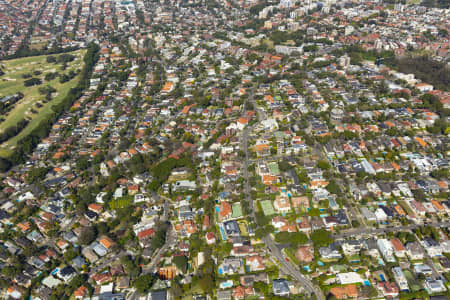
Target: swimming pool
[(222, 233), (226, 284), (382, 278), (366, 282)]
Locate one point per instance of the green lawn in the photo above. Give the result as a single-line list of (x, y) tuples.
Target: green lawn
[(121, 202), (12, 82)]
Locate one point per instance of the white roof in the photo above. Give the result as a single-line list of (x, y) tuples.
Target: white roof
[(350, 277)]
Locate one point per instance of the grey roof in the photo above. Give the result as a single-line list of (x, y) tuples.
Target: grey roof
[(158, 295), (280, 286)]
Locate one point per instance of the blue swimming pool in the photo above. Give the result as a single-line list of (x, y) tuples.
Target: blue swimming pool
[(320, 263), (382, 278), (220, 271), (226, 284), (366, 282), (222, 233)]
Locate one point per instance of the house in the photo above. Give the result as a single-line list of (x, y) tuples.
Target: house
[(269, 125), (241, 292), (369, 215), (184, 185), (280, 287), (400, 279), (351, 247), (90, 215), (14, 292), (423, 269), (386, 249), (250, 279), (305, 254), (304, 225), (145, 235), (158, 295), (278, 222), (225, 211), (424, 87), (90, 254), (262, 150), (210, 238), (414, 251), (230, 266), (388, 289), (432, 247), (399, 249), (348, 278), (300, 202), (434, 286), (344, 292), (241, 123), (231, 228), (51, 282), (255, 263), (101, 278), (95, 207), (224, 295), (67, 274), (81, 293), (282, 204), (106, 242), (330, 252)]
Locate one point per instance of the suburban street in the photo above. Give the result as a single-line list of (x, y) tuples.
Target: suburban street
[(288, 268), (369, 231)]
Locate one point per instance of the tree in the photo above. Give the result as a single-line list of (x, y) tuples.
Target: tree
[(284, 166), (144, 283), (181, 262), (32, 81), (87, 236), (226, 248), (176, 290), (355, 223), (324, 165), (333, 187), (83, 164), (206, 283), (50, 59), (321, 238), (70, 254), (419, 195), (4, 164), (294, 238), (314, 212), (260, 233)]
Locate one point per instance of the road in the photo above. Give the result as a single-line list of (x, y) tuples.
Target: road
[(288, 268), (166, 205), (368, 231), (170, 240)]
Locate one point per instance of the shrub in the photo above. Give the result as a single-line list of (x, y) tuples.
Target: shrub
[(32, 81)]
